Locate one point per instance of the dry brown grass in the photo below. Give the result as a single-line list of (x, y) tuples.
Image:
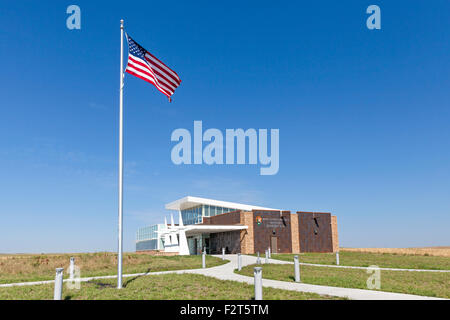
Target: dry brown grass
[(24, 263), (425, 251), (32, 267)]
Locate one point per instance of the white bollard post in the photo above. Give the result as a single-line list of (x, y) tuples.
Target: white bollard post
[(258, 261), (270, 253), (58, 284), (267, 256), (337, 258), (223, 253), (296, 269), (257, 271), (239, 262), (204, 259), (72, 268)]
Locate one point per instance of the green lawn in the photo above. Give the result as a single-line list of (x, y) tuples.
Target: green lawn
[(21, 268), (157, 287), (386, 260), (431, 284)]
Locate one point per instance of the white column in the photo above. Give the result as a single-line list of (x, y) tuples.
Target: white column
[(173, 235), (296, 269), (184, 248), (57, 294), (167, 241), (72, 268), (257, 272)]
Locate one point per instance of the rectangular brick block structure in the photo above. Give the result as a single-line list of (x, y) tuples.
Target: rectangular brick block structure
[(243, 228), (247, 236), (272, 229), (316, 232), (334, 233), (282, 231), (231, 240), (294, 233)]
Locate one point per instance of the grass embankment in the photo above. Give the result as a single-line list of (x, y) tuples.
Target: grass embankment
[(21, 268), (433, 284), (157, 287), (365, 259)]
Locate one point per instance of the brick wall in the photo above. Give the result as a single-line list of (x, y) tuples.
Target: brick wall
[(301, 232), (334, 233), (247, 236), (315, 232), (294, 233), (228, 218), (272, 225), (234, 241), (228, 240)]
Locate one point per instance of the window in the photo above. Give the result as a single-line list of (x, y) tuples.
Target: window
[(192, 215), (147, 233)]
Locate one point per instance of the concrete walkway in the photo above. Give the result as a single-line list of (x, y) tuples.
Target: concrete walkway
[(226, 272), (363, 268), (34, 283)]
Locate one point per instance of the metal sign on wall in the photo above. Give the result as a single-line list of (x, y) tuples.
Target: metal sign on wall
[(274, 223), (270, 222)]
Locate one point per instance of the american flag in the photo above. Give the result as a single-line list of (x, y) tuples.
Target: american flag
[(146, 66)]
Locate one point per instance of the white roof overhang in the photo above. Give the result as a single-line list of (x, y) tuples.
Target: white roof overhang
[(195, 229), (190, 202), (201, 229)]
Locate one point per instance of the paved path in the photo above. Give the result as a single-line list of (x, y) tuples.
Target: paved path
[(364, 268), (226, 272), (33, 283)]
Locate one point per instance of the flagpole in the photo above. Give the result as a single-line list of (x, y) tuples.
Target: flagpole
[(120, 248)]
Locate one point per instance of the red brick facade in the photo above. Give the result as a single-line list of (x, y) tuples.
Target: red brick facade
[(315, 232), (272, 229), (233, 217), (283, 233)]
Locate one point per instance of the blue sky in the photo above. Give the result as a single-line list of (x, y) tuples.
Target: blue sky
[(363, 116)]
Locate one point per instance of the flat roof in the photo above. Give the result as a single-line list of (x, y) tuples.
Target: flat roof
[(190, 202)]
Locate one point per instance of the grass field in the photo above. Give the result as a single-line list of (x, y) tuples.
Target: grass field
[(18, 268), (157, 287), (431, 284), (21, 268), (365, 259)]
